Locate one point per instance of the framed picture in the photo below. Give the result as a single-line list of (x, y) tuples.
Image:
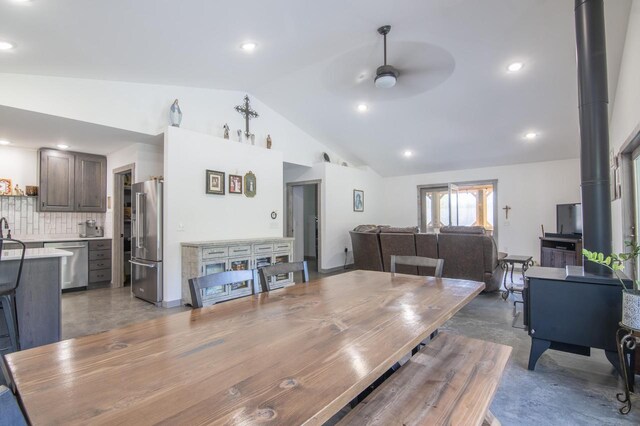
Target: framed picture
[(235, 184), (215, 182), (358, 200), (250, 185), (5, 186)]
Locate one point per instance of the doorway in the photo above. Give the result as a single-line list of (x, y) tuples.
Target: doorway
[(303, 222), (122, 181)]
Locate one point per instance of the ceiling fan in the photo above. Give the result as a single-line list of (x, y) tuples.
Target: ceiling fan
[(386, 75)]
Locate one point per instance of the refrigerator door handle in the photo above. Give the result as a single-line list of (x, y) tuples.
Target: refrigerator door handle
[(146, 265), (139, 223)]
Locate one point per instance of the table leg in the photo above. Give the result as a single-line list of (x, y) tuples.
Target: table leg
[(505, 267), (624, 340)]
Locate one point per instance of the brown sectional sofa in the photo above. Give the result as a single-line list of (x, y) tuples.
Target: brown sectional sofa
[(468, 252)]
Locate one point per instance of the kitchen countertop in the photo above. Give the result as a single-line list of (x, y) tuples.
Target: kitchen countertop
[(230, 242), (37, 253), (55, 239)]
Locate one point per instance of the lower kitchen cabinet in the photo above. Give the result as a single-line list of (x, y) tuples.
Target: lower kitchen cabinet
[(99, 261)]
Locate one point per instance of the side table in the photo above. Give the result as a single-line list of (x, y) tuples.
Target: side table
[(626, 343), (512, 260)]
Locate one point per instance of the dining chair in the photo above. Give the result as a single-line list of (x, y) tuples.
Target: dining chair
[(220, 279), (424, 262), (10, 274), (267, 272), (11, 413)]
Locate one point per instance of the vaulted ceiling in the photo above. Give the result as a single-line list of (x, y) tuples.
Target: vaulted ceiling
[(455, 105)]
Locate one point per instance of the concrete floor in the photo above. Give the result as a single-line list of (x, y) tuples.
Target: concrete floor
[(565, 389)]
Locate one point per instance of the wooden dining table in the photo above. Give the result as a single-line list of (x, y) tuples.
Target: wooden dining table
[(292, 356)]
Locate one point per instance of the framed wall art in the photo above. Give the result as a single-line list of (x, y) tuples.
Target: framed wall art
[(5, 186), (358, 200), (235, 184), (250, 185), (215, 182)]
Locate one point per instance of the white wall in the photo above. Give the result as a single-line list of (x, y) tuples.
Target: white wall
[(192, 215), (20, 165), (144, 108), (337, 217), (625, 117), (531, 190), (148, 160)]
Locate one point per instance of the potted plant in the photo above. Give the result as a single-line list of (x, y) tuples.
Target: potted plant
[(630, 296)]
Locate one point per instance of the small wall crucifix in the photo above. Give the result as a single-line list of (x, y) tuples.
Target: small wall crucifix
[(506, 211), (246, 111)]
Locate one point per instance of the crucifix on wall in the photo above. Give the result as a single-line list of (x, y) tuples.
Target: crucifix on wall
[(246, 111), (506, 211)]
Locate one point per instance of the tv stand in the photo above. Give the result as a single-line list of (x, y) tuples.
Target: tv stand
[(560, 251)]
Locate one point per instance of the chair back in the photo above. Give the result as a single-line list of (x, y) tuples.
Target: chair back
[(220, 279), (11, 415), (9, 284), (423, 262), (267, 272)]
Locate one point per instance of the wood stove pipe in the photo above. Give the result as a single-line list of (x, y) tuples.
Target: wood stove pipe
[(594, 128)]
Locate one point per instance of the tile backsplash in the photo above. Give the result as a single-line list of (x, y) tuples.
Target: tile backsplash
[(25, 221)]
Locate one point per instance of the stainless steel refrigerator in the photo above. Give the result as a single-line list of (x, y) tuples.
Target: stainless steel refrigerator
[(146, 241)]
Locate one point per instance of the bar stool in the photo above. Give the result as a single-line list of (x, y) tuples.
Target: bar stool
[(8, 287)]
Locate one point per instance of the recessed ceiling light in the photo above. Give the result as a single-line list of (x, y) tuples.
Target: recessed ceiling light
[(515, 67), (5, 45), (4, 142), (248, 46), (530, 136), (408, 153), (63, 146), (363, 107)]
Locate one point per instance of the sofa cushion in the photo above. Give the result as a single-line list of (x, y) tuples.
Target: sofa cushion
[(399, 230), (367, 228), (399, 245), (463, 230), (427, 246), (366, 251), (463, 256)]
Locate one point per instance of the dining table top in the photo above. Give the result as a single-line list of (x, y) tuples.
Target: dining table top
[(292, 356)]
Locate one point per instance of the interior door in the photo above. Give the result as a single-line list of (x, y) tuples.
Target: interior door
[(454, 215)]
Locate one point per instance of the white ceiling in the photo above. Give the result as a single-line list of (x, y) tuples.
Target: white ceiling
[(455, 107), (34, 130)]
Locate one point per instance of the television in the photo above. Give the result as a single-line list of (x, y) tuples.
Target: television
[(569, 219)]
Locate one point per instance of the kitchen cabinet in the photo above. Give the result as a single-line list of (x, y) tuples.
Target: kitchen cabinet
[(91, 183), (99, 261), (57, 180), (72, 182)]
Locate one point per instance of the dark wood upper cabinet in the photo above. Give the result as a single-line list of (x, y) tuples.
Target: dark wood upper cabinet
[(91, 183), (57, 180), (72, 182)]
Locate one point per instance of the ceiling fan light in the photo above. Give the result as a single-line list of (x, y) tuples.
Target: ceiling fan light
[(385, 81)]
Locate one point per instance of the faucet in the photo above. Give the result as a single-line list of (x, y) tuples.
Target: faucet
[(6, 226)]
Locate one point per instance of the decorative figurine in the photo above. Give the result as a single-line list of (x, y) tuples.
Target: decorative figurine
[(18, 191), (239, 135), (253, 139), (226, 130), (175, 114), (269, 141)]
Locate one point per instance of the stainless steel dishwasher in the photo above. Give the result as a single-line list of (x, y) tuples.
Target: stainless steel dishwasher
[(75, 269)]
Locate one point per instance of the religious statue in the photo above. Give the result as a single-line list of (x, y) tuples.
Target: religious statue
[(269, 141), (246, 111), (226, 130), (175, 114), (18, 191)]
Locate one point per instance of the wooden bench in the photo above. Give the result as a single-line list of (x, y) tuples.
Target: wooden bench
[(451, 381)]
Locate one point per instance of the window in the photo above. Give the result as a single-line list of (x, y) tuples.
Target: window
[(472, 204)]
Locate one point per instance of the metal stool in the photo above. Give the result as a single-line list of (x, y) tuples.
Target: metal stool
[(8, 287)]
